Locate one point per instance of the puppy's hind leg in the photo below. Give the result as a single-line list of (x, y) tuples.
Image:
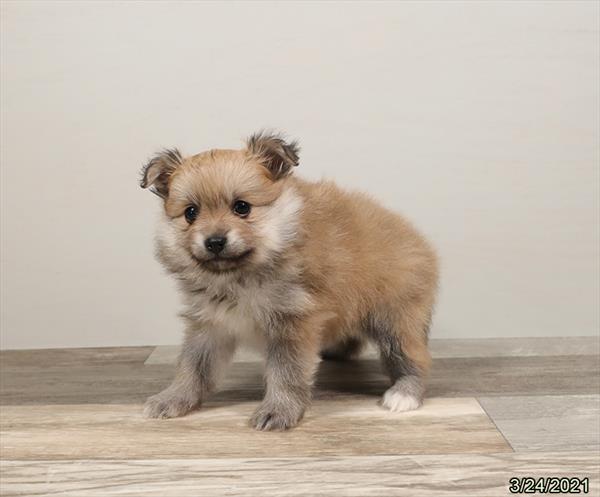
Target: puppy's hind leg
[(202, 357), (402, 341)]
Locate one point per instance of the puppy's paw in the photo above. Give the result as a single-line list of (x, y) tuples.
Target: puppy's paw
[(397, 401), (169, 403), (405, 395), (270, 417)]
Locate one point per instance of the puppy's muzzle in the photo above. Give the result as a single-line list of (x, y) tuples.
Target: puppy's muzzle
[(215, 244)]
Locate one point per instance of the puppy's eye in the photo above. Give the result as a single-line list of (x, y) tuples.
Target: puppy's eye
[(191, 213), (241, 208)]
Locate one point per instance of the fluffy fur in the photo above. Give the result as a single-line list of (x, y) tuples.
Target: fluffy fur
[(311, 270)]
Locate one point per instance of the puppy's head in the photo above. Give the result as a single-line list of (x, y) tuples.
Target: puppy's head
[(226, 210)]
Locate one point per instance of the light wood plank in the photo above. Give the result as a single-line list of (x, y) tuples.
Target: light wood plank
[(515, 347), (343, 426), (463, 475), (446, 348), (167, 354), (563, 422)]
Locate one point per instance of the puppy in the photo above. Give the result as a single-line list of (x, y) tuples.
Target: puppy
[(295, 268)]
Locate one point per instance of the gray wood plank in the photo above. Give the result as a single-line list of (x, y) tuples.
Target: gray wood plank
[(450, 377), (446, 348), (515, 376), (74, 357), (462, 475), (547, 423)]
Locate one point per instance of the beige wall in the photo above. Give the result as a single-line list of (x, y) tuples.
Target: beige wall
[(480, 121)]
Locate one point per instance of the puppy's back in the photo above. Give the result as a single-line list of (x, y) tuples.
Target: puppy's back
[(357, 246)]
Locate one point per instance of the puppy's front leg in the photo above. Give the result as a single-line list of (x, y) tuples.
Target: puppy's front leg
[(202, 356), (292, 356)]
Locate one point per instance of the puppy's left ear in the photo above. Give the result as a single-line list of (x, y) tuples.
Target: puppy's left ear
[(274, 153), (158, 170)]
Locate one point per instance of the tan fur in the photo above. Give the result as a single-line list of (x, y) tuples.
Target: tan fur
[(325, 266), (360, 256)]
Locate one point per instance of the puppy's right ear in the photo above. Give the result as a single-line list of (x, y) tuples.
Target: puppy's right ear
[(274, 153), (158, 170)]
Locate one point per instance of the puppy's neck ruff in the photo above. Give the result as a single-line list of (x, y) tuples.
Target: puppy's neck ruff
[(280, 228)]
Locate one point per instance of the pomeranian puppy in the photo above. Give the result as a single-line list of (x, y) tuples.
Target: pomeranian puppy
[(298, 269)]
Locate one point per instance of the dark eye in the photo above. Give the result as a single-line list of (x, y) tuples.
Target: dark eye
[(191, 213), (241, 208)]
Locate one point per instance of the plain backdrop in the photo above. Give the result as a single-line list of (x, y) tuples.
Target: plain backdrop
[(477, 120)]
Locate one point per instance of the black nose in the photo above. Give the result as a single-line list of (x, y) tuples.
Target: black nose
[(215, 244)]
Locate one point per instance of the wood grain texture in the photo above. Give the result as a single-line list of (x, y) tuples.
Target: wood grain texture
[(71, 424), (445, 348), (74, 357), (463, 475), (341, 426), (553, 375), (120, 383), (515, 347), (563, 422), (167, 354)]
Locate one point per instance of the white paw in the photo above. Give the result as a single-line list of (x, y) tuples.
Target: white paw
[(397, 401)]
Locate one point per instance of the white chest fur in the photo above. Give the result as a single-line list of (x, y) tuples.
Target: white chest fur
[(242, 310)]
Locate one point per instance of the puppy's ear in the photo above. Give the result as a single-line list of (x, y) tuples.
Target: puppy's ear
[(158, 170), (273, 152)]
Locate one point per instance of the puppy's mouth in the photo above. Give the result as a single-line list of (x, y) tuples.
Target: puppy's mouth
[(224, 263)]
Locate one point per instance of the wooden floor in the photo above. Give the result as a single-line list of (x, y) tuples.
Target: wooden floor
[(71, 424)]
